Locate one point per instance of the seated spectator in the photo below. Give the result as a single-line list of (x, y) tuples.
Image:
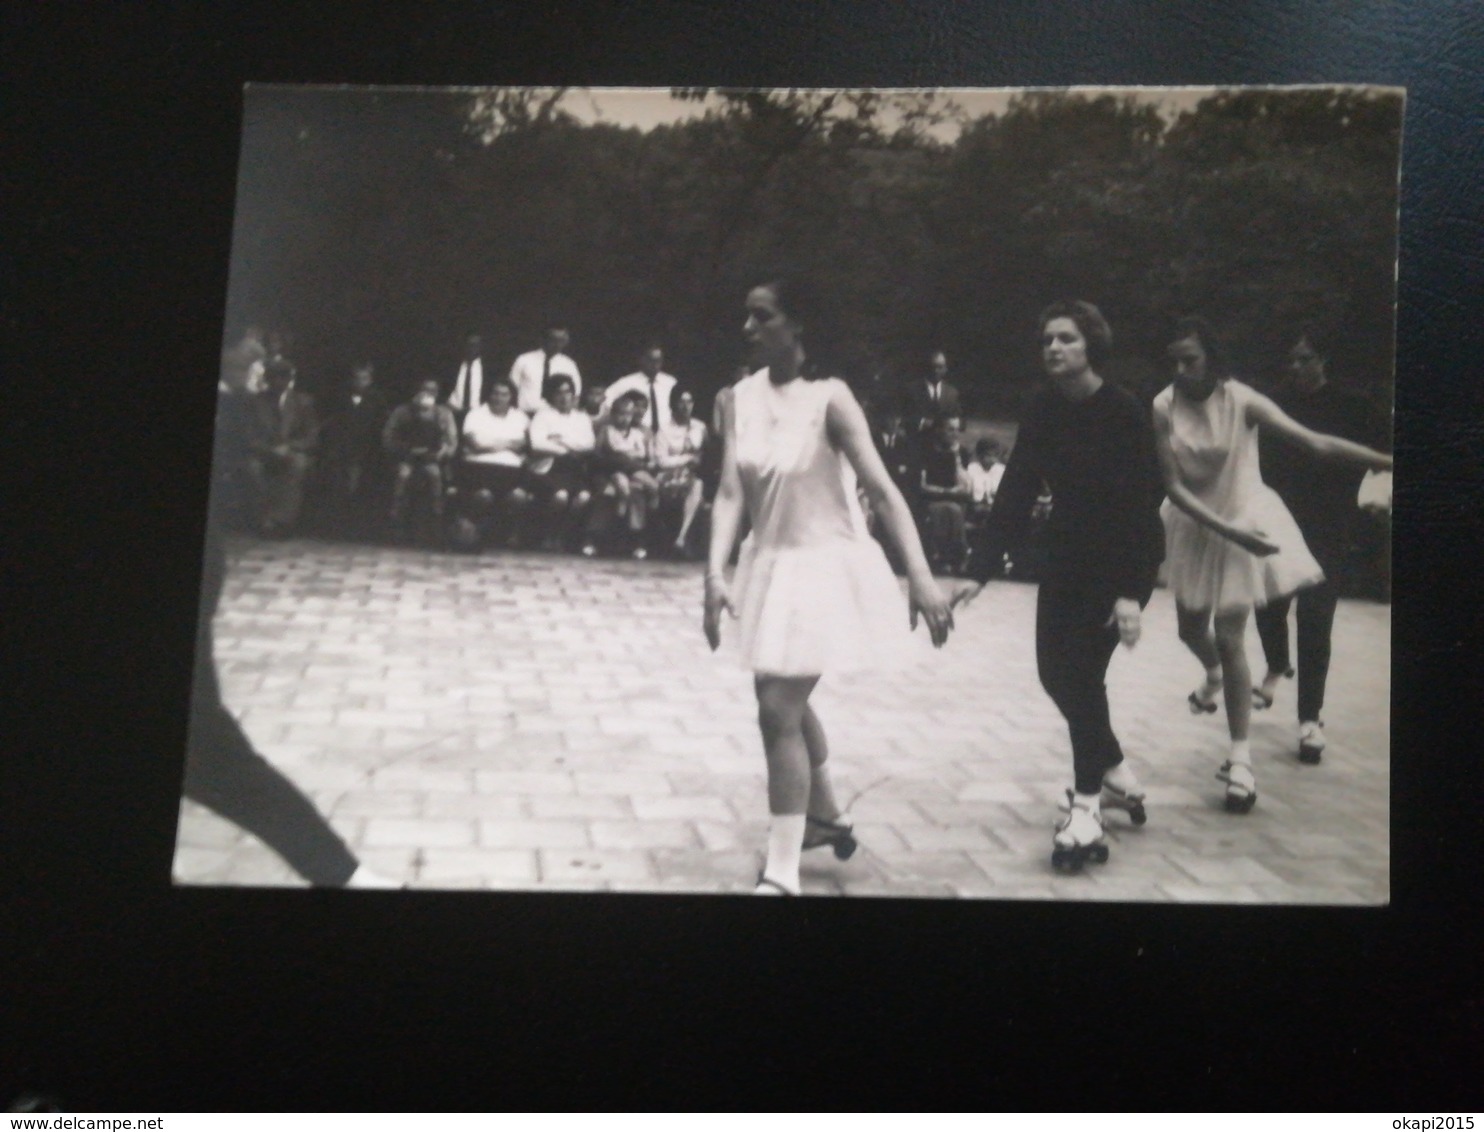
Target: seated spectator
[(945, 489), (561, 446), (420, 437), (624, 479), (678, 451), (900, 452), (985, 472), (283, 436), (493, 481), (594, 403), (352, 452), (234, 485)]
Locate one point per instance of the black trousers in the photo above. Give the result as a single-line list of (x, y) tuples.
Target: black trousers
[(1316, 619), (225, 774), (1074, 644)]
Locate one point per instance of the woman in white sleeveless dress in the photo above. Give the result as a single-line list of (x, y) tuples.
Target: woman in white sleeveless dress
[(1230, 543), (813, 592)]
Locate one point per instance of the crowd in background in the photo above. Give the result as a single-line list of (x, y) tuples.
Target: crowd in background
[(535, 457)]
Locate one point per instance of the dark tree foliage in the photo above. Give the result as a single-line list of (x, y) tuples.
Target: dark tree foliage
[(389, 225)]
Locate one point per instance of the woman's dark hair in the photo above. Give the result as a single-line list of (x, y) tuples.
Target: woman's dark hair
[(1194, 326), (678, 392), (1090, 323), (635, 398), (550, 386), (501, 382), (801, 301)]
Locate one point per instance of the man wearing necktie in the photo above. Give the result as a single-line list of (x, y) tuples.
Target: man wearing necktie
[(932, 397), (468, 388), (532, 370), (652, 381)]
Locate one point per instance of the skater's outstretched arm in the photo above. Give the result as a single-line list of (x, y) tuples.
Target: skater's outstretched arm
[(726, 521), (1263, 413), (849, 432)]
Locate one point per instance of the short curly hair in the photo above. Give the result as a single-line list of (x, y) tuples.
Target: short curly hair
[(1090, 323)]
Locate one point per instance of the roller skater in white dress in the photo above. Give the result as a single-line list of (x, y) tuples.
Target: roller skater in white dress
[(1231, 544), (813, 592)]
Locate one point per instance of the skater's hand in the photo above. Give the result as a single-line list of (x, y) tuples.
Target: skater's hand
[(717, 599), (1254, 542), (965, 594), (926, 599), (1127, 616)]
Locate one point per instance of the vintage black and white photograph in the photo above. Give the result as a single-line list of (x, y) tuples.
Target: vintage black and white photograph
[(955, 493)]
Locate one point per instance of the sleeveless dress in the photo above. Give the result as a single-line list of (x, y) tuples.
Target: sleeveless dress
[(813, 590), (1215, 450)]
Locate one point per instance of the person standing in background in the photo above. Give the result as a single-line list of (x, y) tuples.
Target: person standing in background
[(533, 370), (928, 398), (1323, 500), (468, 387), (652, 381)]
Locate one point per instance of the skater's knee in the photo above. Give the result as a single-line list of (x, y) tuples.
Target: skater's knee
[(1231, 634), (780, 711)]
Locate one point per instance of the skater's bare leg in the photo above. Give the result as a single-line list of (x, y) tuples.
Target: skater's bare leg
[(822, 803), (1195, 632), (1231, 647), (782, 702)]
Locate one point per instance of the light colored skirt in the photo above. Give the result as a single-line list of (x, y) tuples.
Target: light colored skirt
[(832, 607), (1205, 571)]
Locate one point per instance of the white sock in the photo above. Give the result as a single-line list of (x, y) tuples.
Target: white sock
[(1093, 803), (1242, 752), (1121, 778), (1213, 677), (785, 845)]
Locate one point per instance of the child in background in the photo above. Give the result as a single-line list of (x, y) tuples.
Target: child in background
[(625, 456)]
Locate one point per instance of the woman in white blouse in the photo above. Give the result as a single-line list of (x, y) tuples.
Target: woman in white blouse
[(561, 444), (492, 474), (678, 448)]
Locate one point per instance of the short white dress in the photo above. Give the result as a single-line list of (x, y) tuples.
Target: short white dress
[(813, 591), (1215, 446)]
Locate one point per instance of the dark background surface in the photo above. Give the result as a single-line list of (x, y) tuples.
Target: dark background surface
[(121, 993)]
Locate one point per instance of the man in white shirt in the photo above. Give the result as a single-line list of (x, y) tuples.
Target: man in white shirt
[(468, 387), (650, 380), (530, 371)]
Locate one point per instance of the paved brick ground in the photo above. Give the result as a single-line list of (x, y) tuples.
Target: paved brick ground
[(539, 722)]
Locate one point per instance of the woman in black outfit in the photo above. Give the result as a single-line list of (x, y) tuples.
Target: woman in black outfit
[(1093, 445)]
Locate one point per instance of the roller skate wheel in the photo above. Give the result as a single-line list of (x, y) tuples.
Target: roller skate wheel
[(844, 848), (1137, 813), (1066, 859), (1097, 854), (1240, 805)]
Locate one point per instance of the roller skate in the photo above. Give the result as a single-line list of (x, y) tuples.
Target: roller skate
[(1241, 787), (1079, 838), (1203, 700), (1126, 795), (1311, 742), (838, 836), (1264, 693)]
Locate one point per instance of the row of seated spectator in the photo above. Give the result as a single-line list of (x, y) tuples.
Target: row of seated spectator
[(591, 477), (627, 469)]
